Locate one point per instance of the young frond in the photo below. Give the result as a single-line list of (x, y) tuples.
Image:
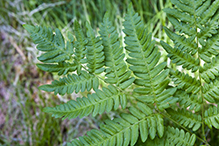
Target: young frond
[(116, 71), (96, 103), (72, 83)]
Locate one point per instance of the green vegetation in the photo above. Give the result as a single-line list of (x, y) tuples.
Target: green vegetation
[(22, 121), (159, 102)]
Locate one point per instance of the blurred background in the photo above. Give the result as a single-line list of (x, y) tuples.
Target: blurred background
[(22, 121)]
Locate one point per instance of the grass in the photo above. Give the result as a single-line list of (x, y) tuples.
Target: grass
[(22, 121)]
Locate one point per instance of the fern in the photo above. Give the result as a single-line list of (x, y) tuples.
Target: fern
[(169, 104)]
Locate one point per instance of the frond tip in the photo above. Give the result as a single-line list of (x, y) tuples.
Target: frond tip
[(52, 44)]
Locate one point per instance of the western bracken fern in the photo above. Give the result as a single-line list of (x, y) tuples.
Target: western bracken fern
[(186, 99)]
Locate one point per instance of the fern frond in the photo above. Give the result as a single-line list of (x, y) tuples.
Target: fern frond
[(212, 117), (185, 82), (180, 15), (210, 12), (179, 57), (181, 42), (96, 103), (53, 44), (116, 71), (95, 55), (72, 83), (174, 136), (210, 70), (211, 91), (62, 67), (202, 21), (181, 27), (125, 130), (210, 48), (80, 49), (143, 58), (186, 118), (190, 101)]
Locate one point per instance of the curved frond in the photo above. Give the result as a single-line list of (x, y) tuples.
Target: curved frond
[(212, 117), (116, 71), (125, 130), (95, 55), (174, 136), (186, 118), (96, 103), (72, 83), (52, 44)]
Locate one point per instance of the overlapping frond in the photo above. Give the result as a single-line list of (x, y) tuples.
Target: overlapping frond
[(188, 100), (143, 58), (125, 130), (212, 117), (210, 70), (52, 44), (116, 71), (180, 57), (95, 55), (174, 136), (196, 21), (96, 103), (62, 68), (211, 91), (72, 83), (186, 118), (185, 82)]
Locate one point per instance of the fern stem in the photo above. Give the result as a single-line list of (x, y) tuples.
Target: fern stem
[(200, 79)]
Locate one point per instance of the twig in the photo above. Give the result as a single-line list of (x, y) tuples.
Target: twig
[(17, 48), (41, 7)]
